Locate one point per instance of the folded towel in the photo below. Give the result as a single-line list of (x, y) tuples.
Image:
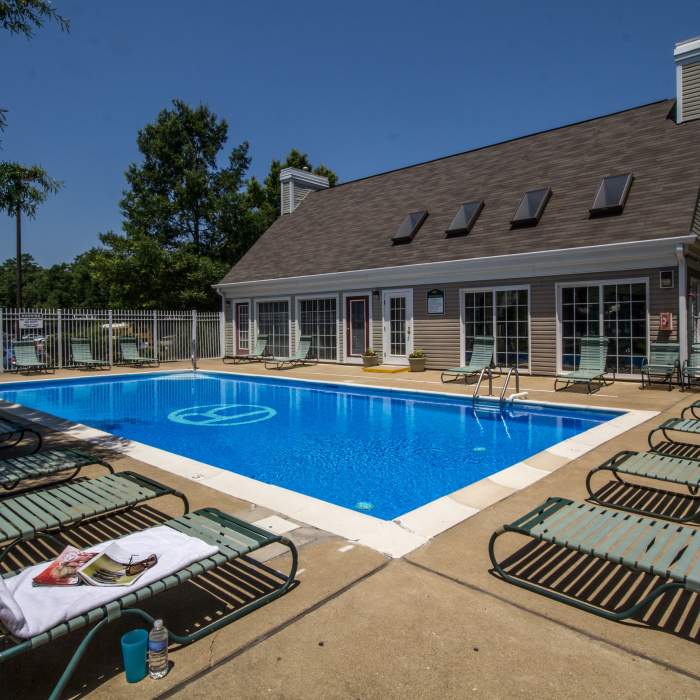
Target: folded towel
[(27, 610)]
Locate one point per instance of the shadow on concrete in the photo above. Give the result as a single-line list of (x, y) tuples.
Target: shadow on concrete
[(606, 585), (184, 609)]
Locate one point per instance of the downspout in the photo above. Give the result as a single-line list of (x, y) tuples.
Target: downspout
[(682, 302)]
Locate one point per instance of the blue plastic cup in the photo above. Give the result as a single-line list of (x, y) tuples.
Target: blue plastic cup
[(134, 645)]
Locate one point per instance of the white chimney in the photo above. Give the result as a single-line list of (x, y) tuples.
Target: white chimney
[(687, 55), (295, 184)]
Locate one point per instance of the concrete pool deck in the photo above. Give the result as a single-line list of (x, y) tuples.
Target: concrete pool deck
[(434, 623)]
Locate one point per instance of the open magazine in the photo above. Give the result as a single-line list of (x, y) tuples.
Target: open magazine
[(114, 566)]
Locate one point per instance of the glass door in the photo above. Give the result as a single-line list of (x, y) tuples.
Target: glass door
[(242, 328), (357, 325), (397, 314)]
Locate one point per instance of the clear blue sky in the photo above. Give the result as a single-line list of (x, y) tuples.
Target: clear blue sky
[(362, 86)]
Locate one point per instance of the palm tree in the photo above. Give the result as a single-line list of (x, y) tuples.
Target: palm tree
[(22, 190)]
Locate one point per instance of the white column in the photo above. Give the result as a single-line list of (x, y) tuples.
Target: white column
[(682, 302)]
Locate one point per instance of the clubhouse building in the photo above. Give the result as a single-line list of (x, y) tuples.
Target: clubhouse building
[(586, 229)]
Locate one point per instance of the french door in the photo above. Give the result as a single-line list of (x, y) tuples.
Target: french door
[(397, 325), (356, 326), (242, 328)]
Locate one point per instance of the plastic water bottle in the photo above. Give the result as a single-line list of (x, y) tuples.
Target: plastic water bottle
[(158, 650)]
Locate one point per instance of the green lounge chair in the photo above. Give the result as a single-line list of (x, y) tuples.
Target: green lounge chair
[(690, 370), (82, 354), (689, 426), (662, 364), (642, 545), (300, 357), (591, 366), (234, 538), (691, 409), (481, 359), (130, 355), (257, 355), (26, 359), (15, 470), (659, 467), (32, 514), (12, 434)]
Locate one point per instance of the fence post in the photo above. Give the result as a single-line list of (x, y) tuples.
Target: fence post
[(194, 339), (2, 343), (155, 334), (109, 337), (222, 333), (59, 332)]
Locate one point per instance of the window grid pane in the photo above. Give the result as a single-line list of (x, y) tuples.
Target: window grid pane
[(580, 312), (317, 318), (478, 318), (243, 327), (273, 321), (397, 325), (512, 328)]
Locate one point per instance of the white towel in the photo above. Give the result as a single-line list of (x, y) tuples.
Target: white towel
[(27, 610)]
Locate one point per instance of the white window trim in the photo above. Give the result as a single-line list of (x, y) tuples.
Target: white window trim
[(264, 300), (297, 322), (360, 293), (559, 286), (386, 342), (504, 288), (234, 324)]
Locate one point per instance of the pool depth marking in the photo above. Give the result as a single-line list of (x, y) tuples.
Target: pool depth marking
[(213, 414)]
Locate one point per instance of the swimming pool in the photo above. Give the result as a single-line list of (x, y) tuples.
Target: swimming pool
[(375, 451)]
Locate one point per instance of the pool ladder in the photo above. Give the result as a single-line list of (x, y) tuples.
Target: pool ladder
[(511, 371), (489, 373)]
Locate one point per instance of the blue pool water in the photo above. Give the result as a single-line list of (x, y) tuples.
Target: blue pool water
[(380, 452)]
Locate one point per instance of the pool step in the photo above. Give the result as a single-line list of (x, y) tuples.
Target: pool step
[(388, 369)]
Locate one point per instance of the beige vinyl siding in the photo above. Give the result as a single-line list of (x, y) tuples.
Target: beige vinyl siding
[(691, 91)]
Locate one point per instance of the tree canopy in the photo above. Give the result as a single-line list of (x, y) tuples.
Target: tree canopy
[(23, 188), (25, 16)]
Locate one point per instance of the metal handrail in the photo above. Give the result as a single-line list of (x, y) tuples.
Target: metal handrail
[(475, 396), (514, 368)]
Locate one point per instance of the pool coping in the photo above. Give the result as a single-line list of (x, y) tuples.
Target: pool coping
[(395, 538)]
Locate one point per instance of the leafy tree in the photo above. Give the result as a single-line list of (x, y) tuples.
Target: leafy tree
[(22, 190), (179, 194), (24, 16)]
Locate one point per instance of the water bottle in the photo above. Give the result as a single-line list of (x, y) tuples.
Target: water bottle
[(158, 650)]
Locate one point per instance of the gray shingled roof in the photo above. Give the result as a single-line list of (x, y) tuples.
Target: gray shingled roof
[(350, 226)]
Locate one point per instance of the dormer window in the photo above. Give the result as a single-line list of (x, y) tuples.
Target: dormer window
[(612, 195), (409, 227), (530, 208), (465, 217)]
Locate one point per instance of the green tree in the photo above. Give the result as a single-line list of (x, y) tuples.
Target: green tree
[(179, 195), (24, 16), (22, 190)]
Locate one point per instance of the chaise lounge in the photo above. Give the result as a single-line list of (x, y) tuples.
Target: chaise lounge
[(130, 353), (15, 470), (233, 538), (690, 370), (662, 365), (82, 355), (257, 355), (658, 467), (300, 357), (591, 366), (26, 359), (481, 359), (641, 545)]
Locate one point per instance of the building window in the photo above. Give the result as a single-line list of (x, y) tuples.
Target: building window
[(503, 313), (273, 321), (512, 328), (616, 310), (318, 318), (242, 328)]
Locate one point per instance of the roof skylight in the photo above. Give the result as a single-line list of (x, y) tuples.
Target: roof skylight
[(465, 217), (409, 226), (611, 195), (531, 207)]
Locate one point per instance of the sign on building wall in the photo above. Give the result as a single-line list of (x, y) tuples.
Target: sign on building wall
[(436, 301), (31, 321)]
